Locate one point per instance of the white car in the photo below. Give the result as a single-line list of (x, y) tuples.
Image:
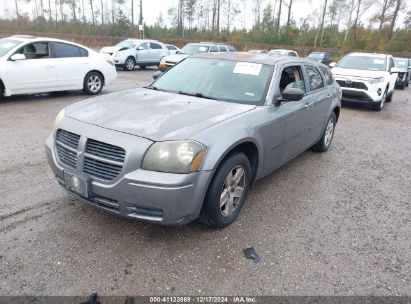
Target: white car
[(366, 77), (135, 52), (192, 49), (31, 65), (281, 52), (173, 49)]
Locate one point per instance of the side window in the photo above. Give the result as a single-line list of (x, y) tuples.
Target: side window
[(230, 48), (171, 48), (291, 77), (37, 50), (292, 54), (314, 78), (144, 45), (63, 50), (213, 49), (155, 46), (391, 64), (222, 49), (329, 79)]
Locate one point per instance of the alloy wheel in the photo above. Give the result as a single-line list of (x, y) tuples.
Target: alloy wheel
[(233, 191), (329, 132), (94, 83)]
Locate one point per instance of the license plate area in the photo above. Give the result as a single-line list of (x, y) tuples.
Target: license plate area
[(78, 184)]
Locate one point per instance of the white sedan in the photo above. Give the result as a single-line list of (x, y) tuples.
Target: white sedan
[(31, 65)]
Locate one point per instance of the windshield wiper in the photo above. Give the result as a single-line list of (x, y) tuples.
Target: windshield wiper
[(154, 88), (200, 95)]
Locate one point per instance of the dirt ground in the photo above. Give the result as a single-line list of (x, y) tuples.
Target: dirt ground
[(337, 223)]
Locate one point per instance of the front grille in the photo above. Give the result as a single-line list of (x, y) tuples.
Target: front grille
[(104, 150), (103, 160), (353, 84), (66, 146), (101, 169)]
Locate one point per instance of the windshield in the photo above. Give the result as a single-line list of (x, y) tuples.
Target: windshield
[(127, 44), (370, 63), (225, 80), (401, 63), (6, 45), (316, 56), (192, 49), (278, 53)]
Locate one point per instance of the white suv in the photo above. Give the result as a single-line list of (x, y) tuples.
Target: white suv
[(366, 77), (132, 52)]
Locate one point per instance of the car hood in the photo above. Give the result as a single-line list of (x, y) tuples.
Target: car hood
[(110, 49), (357, 73), (175, 58), (154, 115)]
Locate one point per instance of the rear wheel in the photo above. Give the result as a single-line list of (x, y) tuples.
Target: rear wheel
[(227, 192), (130, 64), (325, 141), (93, 83)]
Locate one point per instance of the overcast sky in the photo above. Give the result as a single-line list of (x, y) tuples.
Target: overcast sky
[(152, 8)]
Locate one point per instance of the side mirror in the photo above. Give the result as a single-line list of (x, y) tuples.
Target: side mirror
[(332, 64), (157, 75), (140, 48), (18, 57), (292, 94), (177, 52), (394, 70)]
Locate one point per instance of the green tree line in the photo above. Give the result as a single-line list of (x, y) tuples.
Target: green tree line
[(373, 25)]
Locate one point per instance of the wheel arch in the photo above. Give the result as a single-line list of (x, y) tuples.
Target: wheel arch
[(337, 111), (250, 148)]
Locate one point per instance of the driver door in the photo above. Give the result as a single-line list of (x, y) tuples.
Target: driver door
[(35, 74), (143, 53)]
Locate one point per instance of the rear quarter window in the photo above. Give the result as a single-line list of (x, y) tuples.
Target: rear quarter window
[(329, 79)]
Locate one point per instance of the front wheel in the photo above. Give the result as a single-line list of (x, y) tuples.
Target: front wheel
[(380, 105), (325, 141), (227, 192), (93, 83), (130, 64)]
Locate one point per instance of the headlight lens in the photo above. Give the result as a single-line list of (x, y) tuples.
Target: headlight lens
[(59, 117), (180, 157), (375, 80)]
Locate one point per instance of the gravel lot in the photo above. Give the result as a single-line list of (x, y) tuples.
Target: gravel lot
[(325, 224)]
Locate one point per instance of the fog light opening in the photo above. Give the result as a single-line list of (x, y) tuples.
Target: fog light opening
[(379, 92)]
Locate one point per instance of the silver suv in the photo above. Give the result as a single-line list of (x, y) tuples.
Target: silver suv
[(135, 52), (194, 49)]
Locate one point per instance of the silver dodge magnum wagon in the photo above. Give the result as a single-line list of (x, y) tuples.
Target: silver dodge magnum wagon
[(193, 143)]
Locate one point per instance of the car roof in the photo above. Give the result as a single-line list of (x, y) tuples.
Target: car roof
[(28, 38), (283, 50), (369, 54), (252, 58)]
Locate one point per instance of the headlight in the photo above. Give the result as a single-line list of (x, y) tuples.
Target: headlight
[(375, 80), (181, 157), (59, 117)]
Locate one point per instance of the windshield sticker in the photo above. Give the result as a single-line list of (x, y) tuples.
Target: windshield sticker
[(249, 94), (247, 68), (8, 45), (379, 61), (203, 49)]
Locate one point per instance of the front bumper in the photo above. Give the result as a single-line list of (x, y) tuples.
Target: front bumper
[(164, 198)]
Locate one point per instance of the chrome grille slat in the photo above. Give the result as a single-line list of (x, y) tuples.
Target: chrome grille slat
[(106, 151), (66, 147), (100, 169)]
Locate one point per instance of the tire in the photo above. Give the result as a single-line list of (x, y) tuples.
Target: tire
[(1, 92), (215, 213), (93, 83), (326, 139), (130, 64), (380, 105)]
